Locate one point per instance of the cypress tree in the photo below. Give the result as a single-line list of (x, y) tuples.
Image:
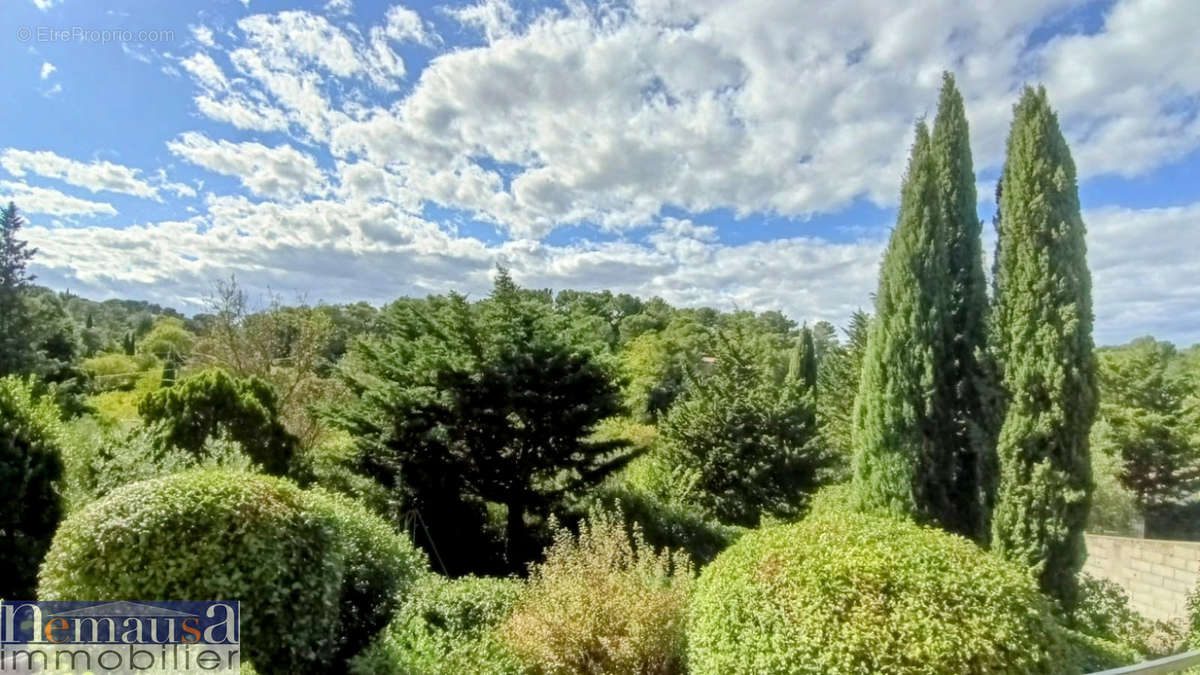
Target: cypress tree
[(967, 439), (1042, 342), (15, 352), (899, 462), (803, 366)]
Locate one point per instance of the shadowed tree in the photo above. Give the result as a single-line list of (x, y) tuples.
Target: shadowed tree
[(968, 436)]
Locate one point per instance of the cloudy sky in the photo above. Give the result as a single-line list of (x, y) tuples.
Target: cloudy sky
[(735, 154)]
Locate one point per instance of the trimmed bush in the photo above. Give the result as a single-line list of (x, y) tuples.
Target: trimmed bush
[(858, 593), (211, 535), (30, 464), (602, 603), (446, 627), (379, 566)]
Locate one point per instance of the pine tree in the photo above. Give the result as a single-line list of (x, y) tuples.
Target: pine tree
[(900, 464), (967, 436), (14, 280), (1042, 342)]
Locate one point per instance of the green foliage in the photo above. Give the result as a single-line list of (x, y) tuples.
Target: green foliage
[(446, 627), (30, 433), (207, 534), (1092, 654), (748, 432), (463, 405), (1042, 342), (380, 567), (213, 404), (1193, 603), (1114, 507), (100, 458), (15, 335), (902, 465), (112, 372), (1148, 422), (121, 407), (837, 386), (855, 593), (655, 363), (332, 464), (1103, 612), (602, 602), (967, 428), (169, 339)]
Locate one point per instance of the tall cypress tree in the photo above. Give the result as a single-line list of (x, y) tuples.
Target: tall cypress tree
[(900, 463), (1042, 342), (803, 366), (14, 279), (968, 435)]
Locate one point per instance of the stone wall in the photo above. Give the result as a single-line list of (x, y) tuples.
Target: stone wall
[(1158, 574)]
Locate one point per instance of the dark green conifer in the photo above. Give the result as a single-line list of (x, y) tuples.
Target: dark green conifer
[(900, 464), (967, 436), (1041, 339)]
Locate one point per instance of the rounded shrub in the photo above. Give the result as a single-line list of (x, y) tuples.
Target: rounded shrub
[(30, 463), (211, 535), (379, 565), (858, 593), (445, 627)]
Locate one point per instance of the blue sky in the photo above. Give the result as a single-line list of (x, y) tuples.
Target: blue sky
[(740, 154)]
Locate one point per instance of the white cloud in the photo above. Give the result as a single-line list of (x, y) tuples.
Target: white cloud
[(613, 115), (241, 112), (280, 172), (205, 71), (1145, 272), (339, 7), (47, 69), (1129, 92), (203, 35), (495, 18), (51, 202), (45, 4), (95, 176)]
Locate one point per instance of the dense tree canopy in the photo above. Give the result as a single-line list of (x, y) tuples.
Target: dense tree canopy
[(1149, 421), (213, 404), (480, 404), (747, 427)]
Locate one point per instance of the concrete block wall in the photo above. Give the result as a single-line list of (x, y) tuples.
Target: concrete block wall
[(1157, 574)]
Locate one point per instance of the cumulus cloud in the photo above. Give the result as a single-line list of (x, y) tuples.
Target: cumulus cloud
[(618, 116), (280, 172), (51, 202), (95, 176), (47, 69)]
